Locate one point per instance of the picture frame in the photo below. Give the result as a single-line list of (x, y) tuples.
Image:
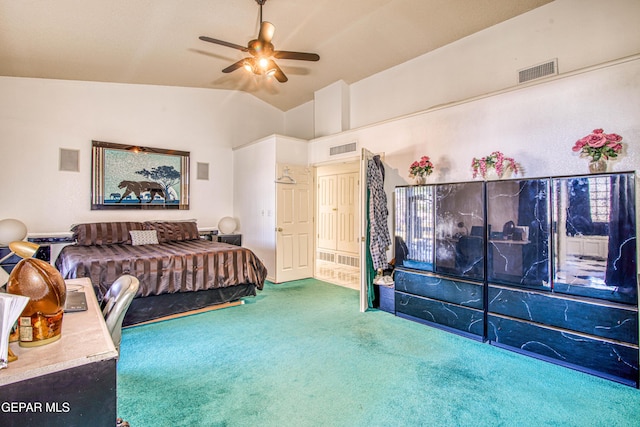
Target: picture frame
[(134, 177)]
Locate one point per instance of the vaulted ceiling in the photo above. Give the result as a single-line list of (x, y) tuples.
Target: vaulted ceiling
[(156, 41)]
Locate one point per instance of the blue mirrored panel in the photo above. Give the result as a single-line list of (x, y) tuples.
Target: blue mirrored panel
[(459, 230), (595, 237), (414, 227), (518, 219)]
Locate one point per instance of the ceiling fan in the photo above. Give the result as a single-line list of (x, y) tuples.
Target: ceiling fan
[(261, 61)]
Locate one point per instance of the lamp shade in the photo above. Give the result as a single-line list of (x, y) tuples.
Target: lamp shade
[(11, 230), (41, 320), (24, 249), (227, 225)]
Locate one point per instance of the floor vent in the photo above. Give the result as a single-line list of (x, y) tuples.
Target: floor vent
[(547, 69), (342, 149), (351, 261)]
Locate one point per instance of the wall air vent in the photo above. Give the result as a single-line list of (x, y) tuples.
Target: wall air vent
[(326, 256), (343, 149), (538, 71), (351, 261)]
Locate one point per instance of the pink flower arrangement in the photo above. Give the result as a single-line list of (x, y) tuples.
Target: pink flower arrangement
[(495, 160), (599, 145), (422, 167)]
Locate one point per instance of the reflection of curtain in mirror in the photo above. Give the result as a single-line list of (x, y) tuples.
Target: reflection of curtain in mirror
[(621, 261), (533, 213), (579, 209)]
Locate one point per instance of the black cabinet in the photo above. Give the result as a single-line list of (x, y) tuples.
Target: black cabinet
[(232, 239), (545, 267), (451, 304)]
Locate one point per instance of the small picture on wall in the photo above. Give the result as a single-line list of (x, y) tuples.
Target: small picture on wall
[(134, 177)]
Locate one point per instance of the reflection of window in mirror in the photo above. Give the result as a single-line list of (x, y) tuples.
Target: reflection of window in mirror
[(600, 191), (594, 245)]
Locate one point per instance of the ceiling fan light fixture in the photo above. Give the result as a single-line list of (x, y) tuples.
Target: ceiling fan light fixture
[(249, 65), (262, 52), (264, 63)]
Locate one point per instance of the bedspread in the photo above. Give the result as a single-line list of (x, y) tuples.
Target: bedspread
[(170, 267)]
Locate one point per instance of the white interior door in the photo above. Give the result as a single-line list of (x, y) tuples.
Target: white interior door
[(294, 223)]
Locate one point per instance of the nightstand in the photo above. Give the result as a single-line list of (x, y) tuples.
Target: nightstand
[(232, 239)]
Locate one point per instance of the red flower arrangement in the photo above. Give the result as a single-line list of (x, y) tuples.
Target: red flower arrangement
[(422, 167), (599, 145)]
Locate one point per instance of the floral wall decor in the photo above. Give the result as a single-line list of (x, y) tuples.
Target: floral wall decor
[(421, 169), (495, 163), (599, 147)]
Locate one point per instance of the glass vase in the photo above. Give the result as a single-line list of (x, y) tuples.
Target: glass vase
[(598, 166), (421, 180)]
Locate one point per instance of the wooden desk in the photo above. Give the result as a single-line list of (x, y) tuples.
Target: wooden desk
[(70, 382)]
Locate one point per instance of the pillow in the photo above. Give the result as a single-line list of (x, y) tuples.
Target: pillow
[(144, 237), (104, 233), (174, 231)]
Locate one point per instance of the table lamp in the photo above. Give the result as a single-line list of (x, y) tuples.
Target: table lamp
[(227, 225), (11, 230), (41, 320)]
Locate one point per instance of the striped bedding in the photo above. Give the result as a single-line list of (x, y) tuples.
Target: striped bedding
[(169, 267)]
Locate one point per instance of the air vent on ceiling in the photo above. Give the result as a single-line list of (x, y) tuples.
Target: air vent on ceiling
[(542, 70), (342, 149)]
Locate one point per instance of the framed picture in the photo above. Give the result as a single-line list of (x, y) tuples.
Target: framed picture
[(133, 177)]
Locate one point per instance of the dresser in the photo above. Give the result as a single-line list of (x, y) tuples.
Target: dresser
[(70, 382), (544, 267)]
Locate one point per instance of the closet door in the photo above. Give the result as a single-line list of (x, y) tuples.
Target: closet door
[(327, 212), (347, 230)]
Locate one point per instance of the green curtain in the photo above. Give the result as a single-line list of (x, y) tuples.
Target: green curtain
[(370, 271)]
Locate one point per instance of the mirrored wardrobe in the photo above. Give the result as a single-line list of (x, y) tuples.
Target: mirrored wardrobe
[(545, 267)]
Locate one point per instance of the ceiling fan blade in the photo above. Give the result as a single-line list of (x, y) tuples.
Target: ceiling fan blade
[(266, 31), (223, 43), (234, 66), (279, 75), (302, 56)]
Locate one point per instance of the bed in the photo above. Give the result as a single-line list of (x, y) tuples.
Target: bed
[(178, 271)]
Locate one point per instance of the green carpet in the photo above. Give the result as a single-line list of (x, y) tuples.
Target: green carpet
[(301, 354)]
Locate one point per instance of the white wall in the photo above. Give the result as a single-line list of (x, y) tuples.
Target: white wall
[(580, 33), (298, 122), (254, 203), (537, 125), (255, 168), (38, 117), (331, 109)]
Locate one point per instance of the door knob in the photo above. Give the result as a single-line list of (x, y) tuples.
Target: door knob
[(279, 229)]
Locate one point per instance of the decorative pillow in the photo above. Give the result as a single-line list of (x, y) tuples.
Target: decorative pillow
[(144, 237), (174, 231), (104, 233)]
